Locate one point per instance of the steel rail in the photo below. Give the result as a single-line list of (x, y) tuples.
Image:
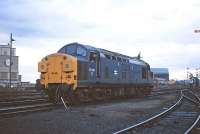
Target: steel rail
[(193, 125), (191, 100), (14, 113), (10, 111), (22, 101), (197, 119), (152, 118), (195, 96), (64, 103)]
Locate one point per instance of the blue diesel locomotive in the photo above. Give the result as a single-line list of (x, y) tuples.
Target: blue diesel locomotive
[(94, 73)]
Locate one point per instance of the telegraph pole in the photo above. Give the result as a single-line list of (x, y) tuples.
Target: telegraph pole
[(10, 67), (187, 73)]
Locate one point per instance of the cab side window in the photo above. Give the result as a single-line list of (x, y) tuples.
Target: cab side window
[(144, 73), (71, 50), (81, 51), (93, 56)]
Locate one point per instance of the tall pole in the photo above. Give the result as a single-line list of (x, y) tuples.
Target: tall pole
[(187, 73), (10, 67), (198, 72)]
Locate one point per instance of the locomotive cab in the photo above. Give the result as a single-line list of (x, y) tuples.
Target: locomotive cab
[(88, 61), (94, 68)]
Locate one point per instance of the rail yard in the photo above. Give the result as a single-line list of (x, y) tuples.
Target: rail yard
[(99, 67), (83, 89), (19, 102), (171, 110)]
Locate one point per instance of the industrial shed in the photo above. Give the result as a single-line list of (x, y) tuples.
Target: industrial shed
[(160, 73)]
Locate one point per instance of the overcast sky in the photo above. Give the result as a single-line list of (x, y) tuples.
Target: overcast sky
[(163, 30)]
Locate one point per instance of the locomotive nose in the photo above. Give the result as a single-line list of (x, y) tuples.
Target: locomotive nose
[(57, 69)]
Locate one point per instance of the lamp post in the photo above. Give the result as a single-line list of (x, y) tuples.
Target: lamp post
[(10, 67), (187, 73), (198, 72)]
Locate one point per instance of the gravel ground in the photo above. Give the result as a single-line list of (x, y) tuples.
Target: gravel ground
[(89, 119), (176, 122)]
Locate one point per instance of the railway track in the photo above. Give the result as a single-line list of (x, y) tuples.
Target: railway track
[(157, 92), (21, 102), (15, 103), (24, 102), (185, 112), (16, 110)]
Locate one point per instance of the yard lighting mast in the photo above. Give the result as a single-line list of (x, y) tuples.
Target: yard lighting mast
[(197, 69), (187, 73), (10, 67)]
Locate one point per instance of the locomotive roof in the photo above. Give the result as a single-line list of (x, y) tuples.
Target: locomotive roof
[(134, 60)]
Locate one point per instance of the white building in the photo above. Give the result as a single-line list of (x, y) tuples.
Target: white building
[(5, 64)]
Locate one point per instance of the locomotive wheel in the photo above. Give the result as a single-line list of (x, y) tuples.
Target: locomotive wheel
[(83, 95), (108, 93), (72, 97), (76, 99), (133, 92), (68, 95), (51, 95), (138, 92), (148, 91), (58, 95), (59, 92), (99, 94), (127, 92)]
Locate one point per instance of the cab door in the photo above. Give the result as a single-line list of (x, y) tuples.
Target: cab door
[(94, 65)]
